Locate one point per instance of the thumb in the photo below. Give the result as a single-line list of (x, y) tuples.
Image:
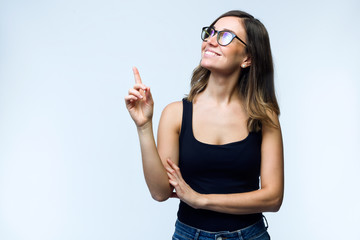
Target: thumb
[(148, 95), (174, 195)]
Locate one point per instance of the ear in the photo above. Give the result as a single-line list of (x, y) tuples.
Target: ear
[(246, 62)]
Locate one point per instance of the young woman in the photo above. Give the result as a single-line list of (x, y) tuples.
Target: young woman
[(220, 149)]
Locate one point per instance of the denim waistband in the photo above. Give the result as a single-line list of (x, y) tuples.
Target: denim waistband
[(244, 233)]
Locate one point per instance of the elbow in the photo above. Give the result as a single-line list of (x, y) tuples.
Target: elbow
[(275, 208), (159, 197), (272, 200), (161, 194), (275, 204)]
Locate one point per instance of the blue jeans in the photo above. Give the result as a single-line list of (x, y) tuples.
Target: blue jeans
[(257, 231)]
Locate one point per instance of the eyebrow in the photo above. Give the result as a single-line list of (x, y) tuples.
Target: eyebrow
[(225, 29)]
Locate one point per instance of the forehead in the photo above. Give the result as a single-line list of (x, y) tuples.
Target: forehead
[(234, 24)]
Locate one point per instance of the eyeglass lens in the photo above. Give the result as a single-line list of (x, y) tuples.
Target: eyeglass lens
[(224, 37), (207, 32)]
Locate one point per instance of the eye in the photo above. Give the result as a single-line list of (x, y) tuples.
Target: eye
[(226, 37), (207, 32)]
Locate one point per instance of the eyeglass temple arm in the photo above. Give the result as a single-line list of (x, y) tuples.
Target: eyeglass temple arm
[(241, 40)]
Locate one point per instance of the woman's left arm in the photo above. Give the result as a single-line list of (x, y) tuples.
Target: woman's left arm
[(267, 199)]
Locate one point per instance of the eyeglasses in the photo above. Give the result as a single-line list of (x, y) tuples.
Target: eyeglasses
[(224, 38)]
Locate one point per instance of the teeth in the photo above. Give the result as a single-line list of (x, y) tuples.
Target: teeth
[(210, 53)]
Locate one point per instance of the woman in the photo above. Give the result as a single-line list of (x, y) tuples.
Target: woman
[(220, 144)]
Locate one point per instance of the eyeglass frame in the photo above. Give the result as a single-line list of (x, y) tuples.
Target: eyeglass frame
[(218, 36)]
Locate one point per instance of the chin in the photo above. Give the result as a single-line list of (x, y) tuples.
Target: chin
[(206, 65)]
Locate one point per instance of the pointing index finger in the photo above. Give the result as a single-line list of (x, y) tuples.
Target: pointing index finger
[(136, 75)]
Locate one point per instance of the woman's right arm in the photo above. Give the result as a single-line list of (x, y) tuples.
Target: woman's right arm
[(140, 106)]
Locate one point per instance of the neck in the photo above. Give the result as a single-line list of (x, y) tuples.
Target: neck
[(222, 88)]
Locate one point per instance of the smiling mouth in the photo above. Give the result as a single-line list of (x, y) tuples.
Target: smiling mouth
[(210, 53)]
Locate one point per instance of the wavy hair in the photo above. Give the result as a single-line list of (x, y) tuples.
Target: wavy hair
[(256, 82)]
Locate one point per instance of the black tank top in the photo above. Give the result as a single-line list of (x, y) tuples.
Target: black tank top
[(217, 169)]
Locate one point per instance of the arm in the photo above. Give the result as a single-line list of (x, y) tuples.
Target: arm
[(266, 199), (168, 136), (140, 106), (154, 158)]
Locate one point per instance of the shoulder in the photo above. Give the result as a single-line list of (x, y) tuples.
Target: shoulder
[(173, 108), (271, 132), (273, 120), (172, 115)]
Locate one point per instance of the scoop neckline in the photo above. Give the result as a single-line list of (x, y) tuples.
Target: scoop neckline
[(209, 144), (219, 145)]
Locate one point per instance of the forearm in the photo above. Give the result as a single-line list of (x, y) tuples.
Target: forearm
[(154, 171), (241, 203)]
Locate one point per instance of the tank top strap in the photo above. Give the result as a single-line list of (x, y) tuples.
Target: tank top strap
[(187, 116)]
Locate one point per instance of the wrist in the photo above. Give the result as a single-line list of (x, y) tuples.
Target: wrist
[(145, 127), (201, 201)]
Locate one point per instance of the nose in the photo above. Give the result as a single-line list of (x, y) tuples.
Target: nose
[(213, 40)]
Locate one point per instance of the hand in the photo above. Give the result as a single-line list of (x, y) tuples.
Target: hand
[(183, 191), (139, 101)]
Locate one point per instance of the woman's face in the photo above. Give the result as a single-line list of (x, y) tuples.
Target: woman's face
[(225, 59)]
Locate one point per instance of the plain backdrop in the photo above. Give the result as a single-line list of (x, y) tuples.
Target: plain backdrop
[(70, 165)]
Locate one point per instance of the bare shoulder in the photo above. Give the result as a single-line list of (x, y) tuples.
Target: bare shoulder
[(172, 115), (274, 119), (173, 109), (271, 134), (174, 106)]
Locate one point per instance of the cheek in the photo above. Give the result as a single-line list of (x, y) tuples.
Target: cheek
[(237, 56), (234, 59), (203, 45)]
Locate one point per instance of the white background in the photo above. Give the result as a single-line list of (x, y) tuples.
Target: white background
[(70, 164)]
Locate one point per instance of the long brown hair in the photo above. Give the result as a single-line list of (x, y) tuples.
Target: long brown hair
[(256, 82)]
